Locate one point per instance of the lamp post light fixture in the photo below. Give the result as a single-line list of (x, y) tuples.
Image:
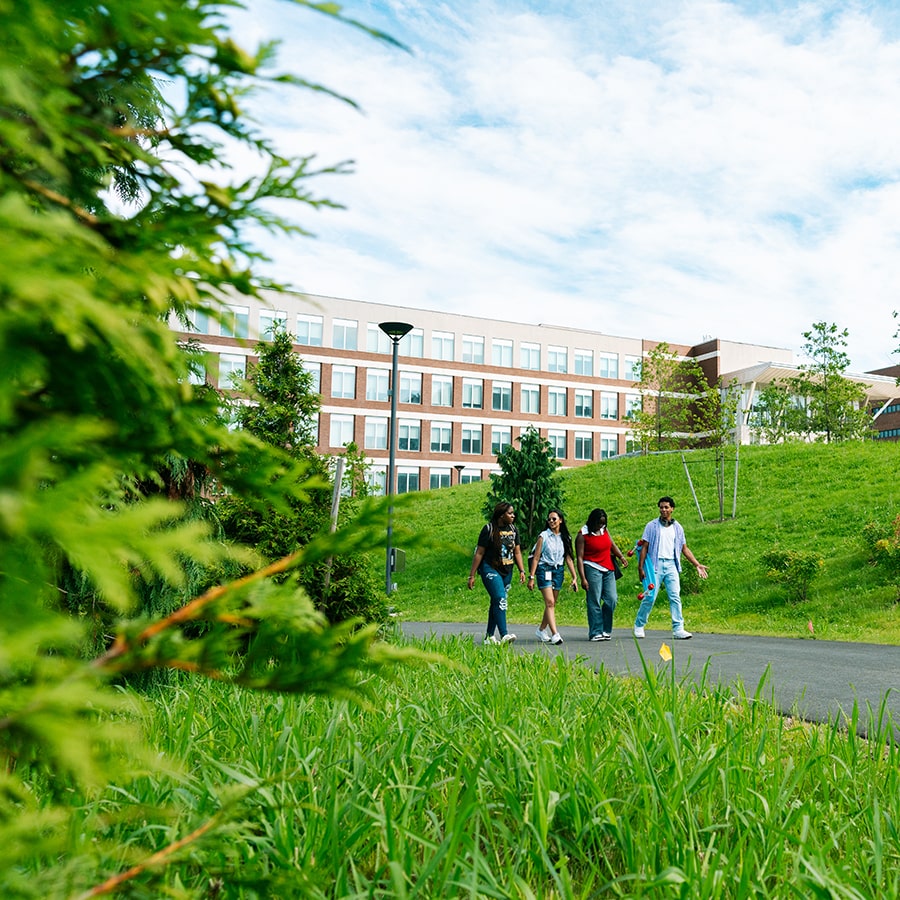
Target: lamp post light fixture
[(395, 331), (459, 470)]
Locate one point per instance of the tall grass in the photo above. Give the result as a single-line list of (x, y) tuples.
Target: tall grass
[(811, 497), (511, 776)]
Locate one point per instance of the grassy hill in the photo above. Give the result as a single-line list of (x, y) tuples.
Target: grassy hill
[(810, 497)]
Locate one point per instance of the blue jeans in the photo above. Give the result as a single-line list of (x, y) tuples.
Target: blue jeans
[(601, 588), (496, 582), (666, 574)]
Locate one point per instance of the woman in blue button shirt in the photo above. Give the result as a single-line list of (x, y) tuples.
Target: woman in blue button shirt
[(552, 554)]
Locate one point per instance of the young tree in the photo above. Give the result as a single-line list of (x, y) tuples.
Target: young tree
[(779, 413), (527, 481), (715, 418), (836, 406), (282, 412), (103, 239), (669, 387)]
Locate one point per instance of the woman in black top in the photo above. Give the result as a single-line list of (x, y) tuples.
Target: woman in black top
[(497, 551)]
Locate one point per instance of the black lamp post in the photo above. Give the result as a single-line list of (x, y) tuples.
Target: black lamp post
[(395, 331), (459, 469)]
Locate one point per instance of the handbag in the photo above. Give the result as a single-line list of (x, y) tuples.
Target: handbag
[(616, 568)]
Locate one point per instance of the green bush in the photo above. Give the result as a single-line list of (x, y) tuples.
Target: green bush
[(883, 541), (795, 569)]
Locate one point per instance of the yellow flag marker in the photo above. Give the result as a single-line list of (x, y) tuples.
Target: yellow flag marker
[(665, 652)]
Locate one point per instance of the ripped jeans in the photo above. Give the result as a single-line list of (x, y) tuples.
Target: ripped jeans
[(496, 582)]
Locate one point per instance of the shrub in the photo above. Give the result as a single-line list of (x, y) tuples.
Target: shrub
[(883, 541), (795, 569)]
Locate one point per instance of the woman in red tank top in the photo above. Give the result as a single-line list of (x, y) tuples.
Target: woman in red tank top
[(595, 549)]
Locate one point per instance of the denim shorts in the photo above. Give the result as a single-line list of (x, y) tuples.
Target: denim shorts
[(550, 576)]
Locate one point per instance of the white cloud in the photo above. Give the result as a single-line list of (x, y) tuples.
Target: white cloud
[(669, 170)]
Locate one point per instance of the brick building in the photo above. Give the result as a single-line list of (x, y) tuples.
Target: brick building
[(467, 386)]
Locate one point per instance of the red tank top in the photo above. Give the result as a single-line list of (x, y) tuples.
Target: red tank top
[(598, 549)]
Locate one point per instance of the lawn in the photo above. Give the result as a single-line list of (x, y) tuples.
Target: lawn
[(811, 497)]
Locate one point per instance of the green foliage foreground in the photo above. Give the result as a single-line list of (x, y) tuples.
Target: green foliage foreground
[(508, 775)]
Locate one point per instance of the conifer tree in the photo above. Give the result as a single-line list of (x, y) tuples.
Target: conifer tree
[(527, 481)]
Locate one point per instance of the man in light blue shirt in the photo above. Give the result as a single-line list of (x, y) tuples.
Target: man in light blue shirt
[(664, 542)]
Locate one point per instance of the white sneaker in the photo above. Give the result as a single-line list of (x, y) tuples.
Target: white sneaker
[(682, 635), (605, 636), (638, 631), (542, 636), (490, 639), (556, 638), (507, 638), (597, 637)]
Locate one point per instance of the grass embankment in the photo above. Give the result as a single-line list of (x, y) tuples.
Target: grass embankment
[(805, 496), (517, 776)]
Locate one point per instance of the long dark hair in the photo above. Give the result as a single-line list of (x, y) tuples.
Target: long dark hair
[(596, 519), (499, 512), (563, 532)]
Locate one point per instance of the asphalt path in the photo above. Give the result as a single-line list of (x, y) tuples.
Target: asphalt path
[(818, 681)]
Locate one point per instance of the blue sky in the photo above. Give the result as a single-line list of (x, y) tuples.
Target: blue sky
[(672, 170)]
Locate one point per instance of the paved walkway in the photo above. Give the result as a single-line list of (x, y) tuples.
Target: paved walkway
[(816, 680)]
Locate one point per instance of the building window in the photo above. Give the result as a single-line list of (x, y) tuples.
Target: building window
[(341, 431), (409, 436), (343, 382), (633, 405), (309, 330), (467, 476), (441, 390), (584, 404), (501, 397), (410, 387), (376, 478), (584, 445), (473, 394), (236, 322), (556, 402), (407, 480), (441, 345), (197, 372), (412, 344), (471, 439), (376, 433), (344, 331), (232, 368), (530, 356), (584, 362), (501, 438), (378, 383), (609, 446), (531, 399), (633, 368), (557, 359), (502, 353), (557, 441), (200, 319), (473, 349), (632, 443), (609, 365), (314, 369), (609, 405), (439, 478), (377, 341), (441, 437), (270, 321)]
